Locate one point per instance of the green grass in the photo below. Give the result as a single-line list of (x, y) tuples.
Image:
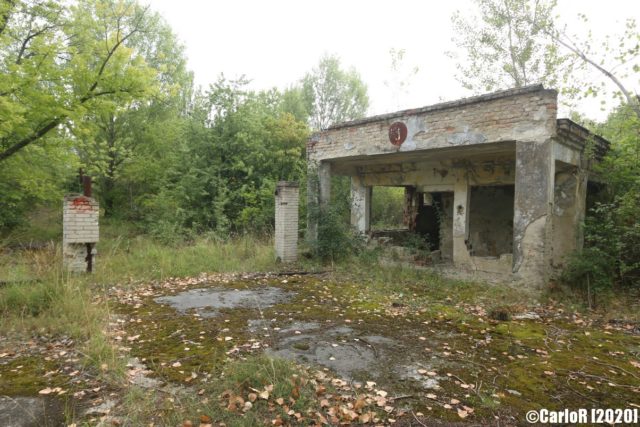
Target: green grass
[(222, 399), (39, 297)]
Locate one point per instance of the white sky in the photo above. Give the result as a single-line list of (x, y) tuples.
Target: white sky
[(274, 43)]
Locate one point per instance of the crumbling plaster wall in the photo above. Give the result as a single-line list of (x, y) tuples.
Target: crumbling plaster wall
[(527, 114)]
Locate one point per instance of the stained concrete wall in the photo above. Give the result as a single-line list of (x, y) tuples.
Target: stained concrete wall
[(569, 206), (80, 232), (491, 220), (532, 209), (286, 221)]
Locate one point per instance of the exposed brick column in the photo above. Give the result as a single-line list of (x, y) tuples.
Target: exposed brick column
[(286, 236), (80, 232)]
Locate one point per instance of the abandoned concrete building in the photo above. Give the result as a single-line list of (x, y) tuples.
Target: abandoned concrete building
[(496, 182)]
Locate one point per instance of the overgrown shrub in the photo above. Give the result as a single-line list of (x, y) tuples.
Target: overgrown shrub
[(611, 254), (336, 238)]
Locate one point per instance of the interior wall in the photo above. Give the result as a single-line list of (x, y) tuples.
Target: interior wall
[(491, 220)]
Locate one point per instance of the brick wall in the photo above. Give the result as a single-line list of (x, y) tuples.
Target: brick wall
[(286, 236), (527, 114), (79, 228)]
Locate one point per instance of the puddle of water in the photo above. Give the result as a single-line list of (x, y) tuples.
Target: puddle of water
[(208, 301)]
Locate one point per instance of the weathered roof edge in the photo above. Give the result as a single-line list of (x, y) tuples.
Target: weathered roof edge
[(445, 105), (572, 130)]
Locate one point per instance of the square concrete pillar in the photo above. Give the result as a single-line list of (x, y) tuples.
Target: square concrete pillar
[(360, 205), (80, 232), (286, 235), (318, 195), (569, 207), (533, 202), (461, 197)]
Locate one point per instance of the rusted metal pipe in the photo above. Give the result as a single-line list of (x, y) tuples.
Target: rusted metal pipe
[(86, 184)]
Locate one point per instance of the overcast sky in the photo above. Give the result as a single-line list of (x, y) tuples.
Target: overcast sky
[(275, 42)]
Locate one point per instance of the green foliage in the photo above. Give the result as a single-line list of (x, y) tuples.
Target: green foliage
[(35, 176), (505, 46), (333, 95), (77, 80), (612, 230), (387, 207), (239, 144), (64, 60), (336, 238)]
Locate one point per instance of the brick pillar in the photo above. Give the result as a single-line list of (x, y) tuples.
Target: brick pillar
[(286, 239), (80, 233)]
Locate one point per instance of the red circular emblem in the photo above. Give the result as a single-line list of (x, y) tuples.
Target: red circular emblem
[(397, 133)]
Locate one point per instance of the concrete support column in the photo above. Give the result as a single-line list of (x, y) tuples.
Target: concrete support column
[(360, 205), (286, 221), (324, 183), (532, 208), (569, 205), (461, 197), (318, 195)]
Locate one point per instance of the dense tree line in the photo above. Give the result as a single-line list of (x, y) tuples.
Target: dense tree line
[(103, 85)]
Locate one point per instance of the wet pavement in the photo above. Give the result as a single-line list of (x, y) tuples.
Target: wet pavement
[(208, 302)]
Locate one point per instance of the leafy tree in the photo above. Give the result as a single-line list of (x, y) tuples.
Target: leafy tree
[(61, 60), (239, 144), (333, 95), (612, 229), (616, 61), (505, 46), (123, 145)]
